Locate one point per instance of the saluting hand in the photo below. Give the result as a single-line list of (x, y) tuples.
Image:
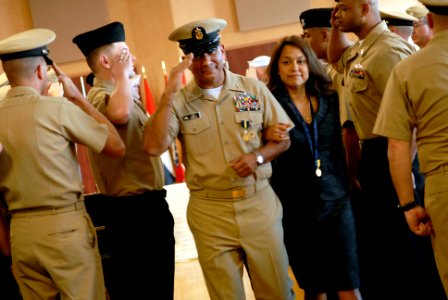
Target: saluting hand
[(122, 65), (71, 92), (333, 17), (175, 80)]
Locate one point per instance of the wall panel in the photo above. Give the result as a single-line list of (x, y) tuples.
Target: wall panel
[(67, 18), (256, 14)]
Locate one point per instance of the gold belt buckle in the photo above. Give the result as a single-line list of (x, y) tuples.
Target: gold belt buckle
[(238, 193)]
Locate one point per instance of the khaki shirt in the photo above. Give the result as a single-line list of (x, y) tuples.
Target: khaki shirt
[(136, 172), (367, 66), (211, 131), (417, 96), (337, 84), (38, 166)]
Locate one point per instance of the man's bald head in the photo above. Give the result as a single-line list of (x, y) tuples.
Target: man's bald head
[(357, 16)]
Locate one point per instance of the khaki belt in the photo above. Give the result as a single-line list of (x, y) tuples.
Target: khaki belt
[(441, 169), (32, 212), (233, 193)]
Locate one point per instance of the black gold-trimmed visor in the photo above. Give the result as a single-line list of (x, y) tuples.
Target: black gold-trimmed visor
[(41, 51), (200, 48)]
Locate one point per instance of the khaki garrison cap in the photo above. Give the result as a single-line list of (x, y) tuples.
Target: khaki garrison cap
[(397, 18), (199, 37), (439, 7), (27, 44), (417, 11)]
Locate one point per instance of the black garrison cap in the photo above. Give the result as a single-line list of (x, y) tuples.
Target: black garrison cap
[(105, 35), (199, 37), (316, 17), (27, 44)]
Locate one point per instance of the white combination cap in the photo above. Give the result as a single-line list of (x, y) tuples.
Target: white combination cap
[(259, 61)]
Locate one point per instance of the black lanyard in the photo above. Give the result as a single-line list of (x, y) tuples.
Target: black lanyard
[(314, 147)]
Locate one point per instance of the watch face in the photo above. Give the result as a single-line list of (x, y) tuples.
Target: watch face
[(260, 159)]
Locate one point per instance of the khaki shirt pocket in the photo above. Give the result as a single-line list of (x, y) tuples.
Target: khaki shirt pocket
[(197, 135), (359, 85), (255, 117)]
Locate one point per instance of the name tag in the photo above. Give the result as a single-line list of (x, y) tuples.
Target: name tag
[(193, 116)]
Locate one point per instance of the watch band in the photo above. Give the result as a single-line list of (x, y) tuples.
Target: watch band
[(258, 157)]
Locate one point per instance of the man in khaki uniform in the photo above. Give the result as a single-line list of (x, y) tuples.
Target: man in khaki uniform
[(53, 241), (422, 33), (233, 213), (399, 22), (402, 24), (382, 228), (416, 96), (142, 226)]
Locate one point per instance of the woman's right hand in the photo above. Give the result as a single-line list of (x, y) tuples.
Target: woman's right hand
[(276, 133)]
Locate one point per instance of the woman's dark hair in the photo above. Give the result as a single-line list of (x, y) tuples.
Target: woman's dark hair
[(318, 81)]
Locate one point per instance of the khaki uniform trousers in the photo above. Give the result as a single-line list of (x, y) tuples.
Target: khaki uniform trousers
[(55, 254), (233, 233)]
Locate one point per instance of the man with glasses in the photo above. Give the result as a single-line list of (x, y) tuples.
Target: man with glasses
[(422, 33)]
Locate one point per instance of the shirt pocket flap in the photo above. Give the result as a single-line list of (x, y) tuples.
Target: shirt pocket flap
[(360, 85), (195, 126), (254, 117)]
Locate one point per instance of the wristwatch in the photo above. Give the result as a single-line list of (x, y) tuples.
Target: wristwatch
[(258, 157)]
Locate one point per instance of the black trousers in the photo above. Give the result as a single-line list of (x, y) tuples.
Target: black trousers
[(9, 289), (139, 239), (394, 262)]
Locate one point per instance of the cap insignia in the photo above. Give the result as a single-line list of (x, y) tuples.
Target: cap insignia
[(198, 33)]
